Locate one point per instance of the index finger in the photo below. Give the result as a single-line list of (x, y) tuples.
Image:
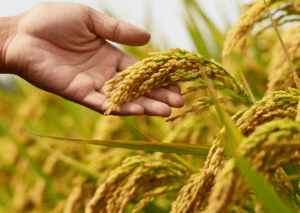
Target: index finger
[(118, 31)]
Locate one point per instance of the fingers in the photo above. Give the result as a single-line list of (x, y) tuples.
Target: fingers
[(129, 108), (159, 101), (156, 103), (166, 96), (118, 31), (174, 87), (98, 102), (153, 107)]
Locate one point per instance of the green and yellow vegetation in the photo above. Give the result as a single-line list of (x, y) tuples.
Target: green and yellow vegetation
[(233, 147)]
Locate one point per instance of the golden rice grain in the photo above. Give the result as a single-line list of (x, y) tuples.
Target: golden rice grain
[(254, 13), (162, 69)]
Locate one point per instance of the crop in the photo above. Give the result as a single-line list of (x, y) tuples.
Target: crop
[(233, 147)]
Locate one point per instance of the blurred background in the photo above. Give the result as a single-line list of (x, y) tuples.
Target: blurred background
[(167, 16)]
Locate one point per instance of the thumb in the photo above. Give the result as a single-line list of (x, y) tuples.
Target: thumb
[(118, 31)]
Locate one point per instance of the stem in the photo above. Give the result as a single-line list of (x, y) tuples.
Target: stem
[(295, 76), (247, 87)]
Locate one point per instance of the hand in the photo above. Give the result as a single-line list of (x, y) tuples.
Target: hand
[(62, 48)]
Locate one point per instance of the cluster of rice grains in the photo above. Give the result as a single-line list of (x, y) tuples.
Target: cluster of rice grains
[(254, 15), (163, 69), (141, 179), (196, 195)]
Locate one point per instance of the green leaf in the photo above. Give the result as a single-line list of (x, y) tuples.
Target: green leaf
[(139, 145), (293, 169), (217, 35), (132, 125), (196, 35), (234, 134), (262, 189)]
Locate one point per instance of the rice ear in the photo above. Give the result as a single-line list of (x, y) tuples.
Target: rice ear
[(165, 68)]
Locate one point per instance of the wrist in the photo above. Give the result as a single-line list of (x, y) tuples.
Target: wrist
[(8, 29)]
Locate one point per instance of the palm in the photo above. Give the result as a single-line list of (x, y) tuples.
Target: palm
[(58, 50)]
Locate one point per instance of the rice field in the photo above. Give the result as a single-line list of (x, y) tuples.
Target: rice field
[(233, 147)]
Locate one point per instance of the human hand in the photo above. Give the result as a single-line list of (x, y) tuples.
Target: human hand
[(62, 48)]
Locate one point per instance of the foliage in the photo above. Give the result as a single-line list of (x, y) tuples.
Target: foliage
[(190, 164)]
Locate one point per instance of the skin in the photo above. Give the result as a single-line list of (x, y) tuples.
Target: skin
[(62, 48)]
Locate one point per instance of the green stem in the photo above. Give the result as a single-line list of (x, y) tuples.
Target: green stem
[(287, 55)]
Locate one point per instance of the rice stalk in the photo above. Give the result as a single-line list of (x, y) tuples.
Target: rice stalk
[(286, 54), (274, 145), (163, 69), (280, 75), (194, 196)]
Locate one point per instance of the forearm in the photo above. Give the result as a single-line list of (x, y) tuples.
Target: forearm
[(8, 28)]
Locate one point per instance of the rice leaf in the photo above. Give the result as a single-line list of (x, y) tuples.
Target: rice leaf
[(132, 125), (271, 201), (196, 35), (234, 134), (149, 138), (293, 169), (139, 145), (217, 35), (295, 75)]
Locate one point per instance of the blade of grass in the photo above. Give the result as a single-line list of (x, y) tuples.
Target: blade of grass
[(234, 134), (290, 170), (287, 55), (196, 35), (271, 202), (149, 138), (139, 145), (131, 125), (80, 167), (247, 87), (217, 35)]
